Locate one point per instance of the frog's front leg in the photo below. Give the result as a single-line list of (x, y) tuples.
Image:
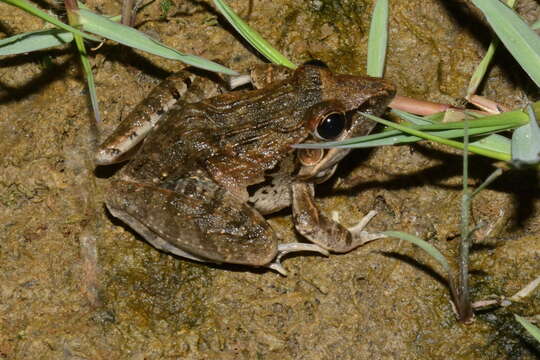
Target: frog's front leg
[(200, 220), (319, 229), (144, 117)]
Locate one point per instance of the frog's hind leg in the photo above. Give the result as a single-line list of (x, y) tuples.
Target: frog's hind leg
[(284, 249), (202, 221), (328, 233), (144, 117)]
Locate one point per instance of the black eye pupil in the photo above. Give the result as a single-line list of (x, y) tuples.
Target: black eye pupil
[(331, 126)]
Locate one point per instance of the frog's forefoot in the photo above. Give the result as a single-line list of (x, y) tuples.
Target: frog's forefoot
[(284, 249), (361, 237)]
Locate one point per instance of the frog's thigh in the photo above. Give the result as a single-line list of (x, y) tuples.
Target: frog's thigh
[(197, 219)]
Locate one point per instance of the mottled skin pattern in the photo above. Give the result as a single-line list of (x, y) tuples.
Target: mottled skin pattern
[(186, 190)]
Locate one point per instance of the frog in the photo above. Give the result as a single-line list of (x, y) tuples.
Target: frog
[(202, 171)]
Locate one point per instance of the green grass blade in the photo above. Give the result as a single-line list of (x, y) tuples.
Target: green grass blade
[(481, 69), (35, 40), (526, 142), (491, 178), (522, 42), (87, 68), (102, 26), (533, 330), (378, 38), (455, 144), (494, 146), (536, 25), (511, 119), (493, 142), (396, 137), (43, 15), (253, 37), (424, 245), (73, 19), (415, 119)]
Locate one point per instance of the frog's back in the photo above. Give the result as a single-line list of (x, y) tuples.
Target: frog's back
[(235, 136)]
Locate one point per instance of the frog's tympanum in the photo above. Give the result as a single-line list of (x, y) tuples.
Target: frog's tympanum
[(202, 173)]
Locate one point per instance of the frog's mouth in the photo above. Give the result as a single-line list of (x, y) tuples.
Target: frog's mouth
[(323, 169)]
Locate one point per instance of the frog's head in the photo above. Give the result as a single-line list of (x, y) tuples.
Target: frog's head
[(336, 116)]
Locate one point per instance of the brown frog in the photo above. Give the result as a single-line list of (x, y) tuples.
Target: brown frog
[(203, 173)]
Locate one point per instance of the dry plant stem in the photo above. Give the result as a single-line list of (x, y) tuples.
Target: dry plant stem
[(483, 304), (463, 301), (89, 259), (71, 5), (421, 107), (526, 290), (418, 107), (128, 15), (486, 104)]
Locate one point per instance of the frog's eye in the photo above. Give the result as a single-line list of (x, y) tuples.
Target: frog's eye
[(331, 126)]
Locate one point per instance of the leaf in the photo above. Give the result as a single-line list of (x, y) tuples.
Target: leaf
[(424, 245), (35, 40), (481, 69), (520, 40), (43, 15), (378, 38), (126, 35), (252, 36), (533, 330)]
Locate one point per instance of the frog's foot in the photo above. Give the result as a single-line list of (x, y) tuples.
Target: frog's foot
[(359, 235), (284, 249), (319, 229)]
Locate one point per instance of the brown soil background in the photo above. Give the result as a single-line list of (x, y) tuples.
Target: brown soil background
[(77, 284)]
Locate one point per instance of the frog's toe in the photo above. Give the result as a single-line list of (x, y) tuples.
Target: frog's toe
[(284, 249), (359, 235), (238, 80)]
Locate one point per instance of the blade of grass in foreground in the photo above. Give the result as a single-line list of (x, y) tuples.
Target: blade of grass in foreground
[(35, 40), (533, 330), (253, 37), (102, 26), (481, 69), (496, 148), (414, 130), (87, 68), (43, 15), (378, 38), (490, 124), (71, 10), (455, 144), (522, 42), (424, 245)]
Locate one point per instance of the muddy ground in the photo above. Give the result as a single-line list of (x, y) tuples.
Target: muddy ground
[(77, 284)]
